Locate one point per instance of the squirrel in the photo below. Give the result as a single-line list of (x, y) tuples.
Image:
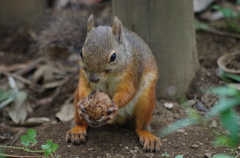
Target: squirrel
[(118, 62)]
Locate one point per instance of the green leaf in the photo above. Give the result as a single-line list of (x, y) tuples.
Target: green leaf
[(23, 138), (216, 7), (230, 123), (221, 141), (223, 105), (47, 152), (47, 146), (227, 12), (31, 133), (179, 156), (235, 77), (55, 147), (222, 156), (34, 141), (25, 143), (177, 125), (225, 91), (238, 2)]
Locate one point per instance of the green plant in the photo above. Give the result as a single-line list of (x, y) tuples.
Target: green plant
[(229, 14), (165, 154), (229, 97), (1, 154), (49, 148), (179, 156), (29, 138), (26, 140)]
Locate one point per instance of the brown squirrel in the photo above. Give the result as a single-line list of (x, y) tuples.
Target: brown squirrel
[(118, 62)]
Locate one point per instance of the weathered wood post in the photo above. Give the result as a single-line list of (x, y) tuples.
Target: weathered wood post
[(22, 12), (167, 26)]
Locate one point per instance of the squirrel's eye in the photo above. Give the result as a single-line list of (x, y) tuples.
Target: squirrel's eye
[(113, 57), (81, 55)]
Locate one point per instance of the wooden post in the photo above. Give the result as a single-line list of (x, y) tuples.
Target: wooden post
[(22, 12), (167, 26)]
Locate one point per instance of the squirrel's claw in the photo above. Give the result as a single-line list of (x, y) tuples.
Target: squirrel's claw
[(82, 107), (111, 110)]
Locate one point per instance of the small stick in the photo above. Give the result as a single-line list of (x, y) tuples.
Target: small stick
[(5, 155), (26, 69), (12, 68), (22, 79), (222, 33)]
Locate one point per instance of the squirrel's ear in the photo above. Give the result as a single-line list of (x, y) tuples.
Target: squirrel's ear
[(117, 29), (90, 23)]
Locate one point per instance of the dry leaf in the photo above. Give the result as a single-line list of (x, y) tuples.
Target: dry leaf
[(66, 113), (33, 121), (18, 111)]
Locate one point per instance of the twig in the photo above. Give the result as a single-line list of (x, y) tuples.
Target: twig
[(40, 156), (32, 151), (222, 33), (22, 79), (30, 67), (12, 68), (58, 90), (26, 69)]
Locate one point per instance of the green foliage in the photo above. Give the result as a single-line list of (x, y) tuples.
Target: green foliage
[(222, 156), (1, 152), (29, 138), (229, 14), (179, 156), (200, 25), (165, 154), (229, 97), (49, 147), (238, 2)]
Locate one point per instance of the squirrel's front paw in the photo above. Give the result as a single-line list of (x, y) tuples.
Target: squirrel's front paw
[(110, 115), (82, 112), (77, 135)]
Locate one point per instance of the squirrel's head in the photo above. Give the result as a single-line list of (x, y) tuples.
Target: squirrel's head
[(103, 50)]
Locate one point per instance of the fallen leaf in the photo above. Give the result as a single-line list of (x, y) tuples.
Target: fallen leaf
[(66, 113), (18, 111), (33, 121)]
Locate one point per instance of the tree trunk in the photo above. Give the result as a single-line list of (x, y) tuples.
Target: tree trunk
[(167, 26)]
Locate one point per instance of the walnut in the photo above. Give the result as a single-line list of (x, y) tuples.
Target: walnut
[(96, 104)]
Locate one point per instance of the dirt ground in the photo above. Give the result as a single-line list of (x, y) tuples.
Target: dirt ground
[(121, 141)]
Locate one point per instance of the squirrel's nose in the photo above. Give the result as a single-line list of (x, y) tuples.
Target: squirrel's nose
[(93, 78)]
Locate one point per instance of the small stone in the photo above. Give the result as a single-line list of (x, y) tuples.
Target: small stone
[(214, 124), (168, 105), (69, 146), (201, 144), (181, 130), (208, 155), (195, 146), (136, 148), (91, 149), (164, 140), (120, 145), (126, 148), (135, 151), (185, 134), (183, 143), (108, 155)]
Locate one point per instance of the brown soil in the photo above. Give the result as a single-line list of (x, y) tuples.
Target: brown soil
[(120, 141)]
